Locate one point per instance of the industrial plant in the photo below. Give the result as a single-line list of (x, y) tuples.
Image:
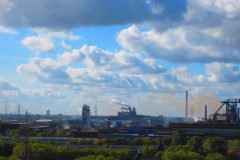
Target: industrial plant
[(225, 121)]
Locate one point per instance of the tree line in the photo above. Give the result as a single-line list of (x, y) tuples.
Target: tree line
[(174, 147)]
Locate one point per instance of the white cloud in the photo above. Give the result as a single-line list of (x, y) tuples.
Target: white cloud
[(220, 72), (201, 10), (39, 43), (99, 67), (180, 44), (202, 33), (206, 33), (58, 14), (7, 89), (44, 40), (7, 30)]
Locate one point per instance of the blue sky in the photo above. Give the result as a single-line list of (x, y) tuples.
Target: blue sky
[(59, 55)]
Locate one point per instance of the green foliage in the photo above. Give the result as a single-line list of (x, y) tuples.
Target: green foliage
[(215, 145), (36, 151), (144, 141), (6, 149), (177, 139), (120, 141), (149, 151), (178, 148), (152, 149), (160, 146), (100, 157), (167, 141), (41, 151), (195, 144), (108, 141), (215, 156), (85, 141), (159, 154), (181, 155), (234, 144), (232, 154), (3, 158)]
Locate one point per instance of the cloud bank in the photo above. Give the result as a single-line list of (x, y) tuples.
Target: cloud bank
[(75, 13)]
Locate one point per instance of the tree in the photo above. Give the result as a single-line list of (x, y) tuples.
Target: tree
[(195, 144), (3, 158), (138, 141), (215, 156), (99, 157), (181, 155), (120, 141), (215, 145), (160, 146), (234, 144), (149, 151), (178, 148), (159, 154), (232, 154), (6, 149), (167, 141), (178, 139), (36, 151)]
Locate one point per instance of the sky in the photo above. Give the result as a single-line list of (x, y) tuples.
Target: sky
[(59, 55)]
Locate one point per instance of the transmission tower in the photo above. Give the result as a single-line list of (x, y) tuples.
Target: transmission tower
[(26, 155), (95, 110), (6, 108), (18, 111)]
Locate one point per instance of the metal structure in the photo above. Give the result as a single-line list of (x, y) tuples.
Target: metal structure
[(48, 113), (18, 111), (231, 114), (127, 111), (86, 117), (6, 108), (186, 112), (205, 113), (95, 110)]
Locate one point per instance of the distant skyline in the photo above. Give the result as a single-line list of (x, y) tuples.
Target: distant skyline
[(59, 55)]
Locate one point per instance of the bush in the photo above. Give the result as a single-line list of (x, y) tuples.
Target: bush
[(41, 151), (96, 158), (195, 144), (181, 155), (178, 148), (144, 141), (158, 155), (232, 154), (149, 151), (215, 156), (177, 139), (215, 145), (234, 144), (6, 149), (3, 158)]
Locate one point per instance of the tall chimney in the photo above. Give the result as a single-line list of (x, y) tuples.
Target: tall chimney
[(238, 110), (205, 113), (186, 105)]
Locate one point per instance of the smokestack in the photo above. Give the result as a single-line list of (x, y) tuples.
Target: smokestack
[(186, 105), (205, 114), (238, 114)]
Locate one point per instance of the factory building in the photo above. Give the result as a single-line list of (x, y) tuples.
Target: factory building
[(48, 113), (86, 117)]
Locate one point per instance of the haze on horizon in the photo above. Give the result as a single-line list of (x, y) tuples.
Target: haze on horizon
[(59, 55)]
